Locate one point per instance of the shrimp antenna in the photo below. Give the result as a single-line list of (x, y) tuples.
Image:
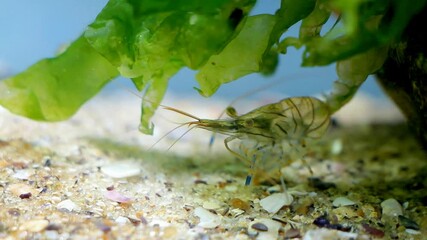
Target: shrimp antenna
[(136, 94), (175, 128), (166, 107), (181, 137), (169, 132), (181, 112)]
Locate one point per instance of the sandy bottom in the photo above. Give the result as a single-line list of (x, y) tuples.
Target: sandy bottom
[(95, 176)]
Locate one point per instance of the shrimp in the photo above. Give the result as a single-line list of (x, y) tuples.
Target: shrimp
[(291, 120)]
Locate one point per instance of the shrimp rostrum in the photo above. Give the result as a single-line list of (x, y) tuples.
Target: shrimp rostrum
[(292, 120)]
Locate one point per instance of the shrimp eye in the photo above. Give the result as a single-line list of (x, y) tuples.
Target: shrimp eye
[(231, 112), (248, 123)]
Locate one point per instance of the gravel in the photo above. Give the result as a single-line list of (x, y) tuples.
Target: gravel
[(96, 177)]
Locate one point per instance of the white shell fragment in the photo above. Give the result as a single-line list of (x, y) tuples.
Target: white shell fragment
[(342, 201), (68, 205), (324, 233), (412, 231), (36, 225), (113, 195), (207, 219), (121, 169), (275, 188), (391, 207), (122, 220), (235, 212), (276, 201), (211, 205), (336, 147), (23, 174)]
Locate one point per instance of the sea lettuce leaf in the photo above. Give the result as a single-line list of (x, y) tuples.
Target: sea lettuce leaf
[(254, 48), (150, 41), (363, 25), (145, 40), (54, 89), (242, 56)]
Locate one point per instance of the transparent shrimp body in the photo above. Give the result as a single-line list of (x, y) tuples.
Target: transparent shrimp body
[(268, 160), (274, 132), (289, 119)]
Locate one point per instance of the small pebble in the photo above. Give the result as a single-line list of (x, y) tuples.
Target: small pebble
[(264, 228), (53, 227), (48, 162), (276, 201), (25, 195), (199, 181), (121, 169), (36, 225), (342, 201), (373, 231), (67, 205), (259, 227), (321, 222), (239, 203), (391, 207), (293, 233), (207, 218), (408, 223)]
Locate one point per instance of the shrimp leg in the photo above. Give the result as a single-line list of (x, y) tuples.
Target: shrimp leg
[(229, 139)]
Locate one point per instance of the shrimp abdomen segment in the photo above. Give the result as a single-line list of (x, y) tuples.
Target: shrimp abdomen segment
[(302, 117)]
